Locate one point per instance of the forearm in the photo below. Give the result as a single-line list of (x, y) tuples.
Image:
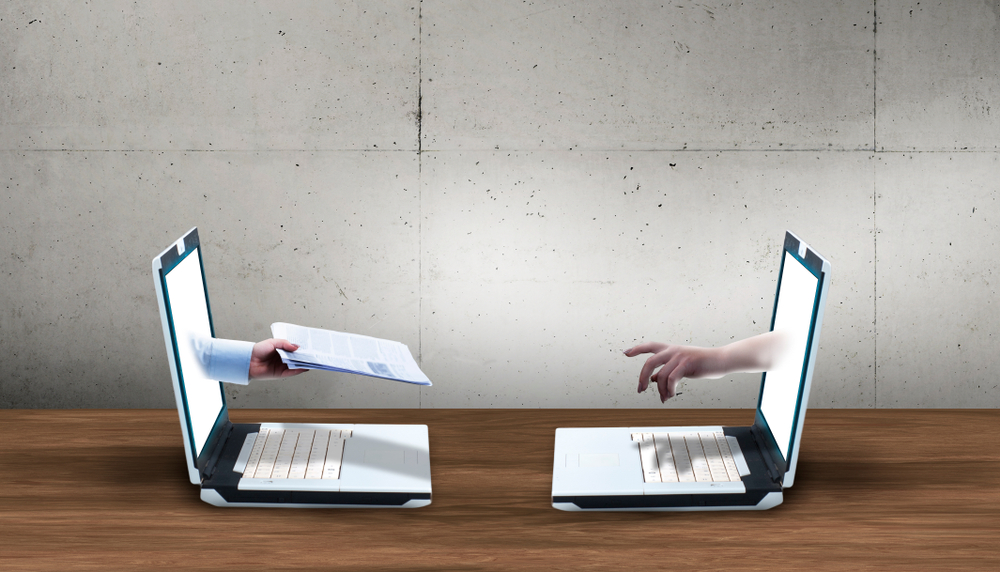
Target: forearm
[(751, 355)]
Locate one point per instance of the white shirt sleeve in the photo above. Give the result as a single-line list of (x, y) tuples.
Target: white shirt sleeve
[(225, 360)]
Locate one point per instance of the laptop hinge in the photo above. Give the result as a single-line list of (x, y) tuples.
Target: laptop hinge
[(769, 464), (214, 459)]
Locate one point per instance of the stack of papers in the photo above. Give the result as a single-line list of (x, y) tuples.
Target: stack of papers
[(349, 353)]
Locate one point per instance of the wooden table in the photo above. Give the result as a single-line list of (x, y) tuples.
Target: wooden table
[(876, 490)]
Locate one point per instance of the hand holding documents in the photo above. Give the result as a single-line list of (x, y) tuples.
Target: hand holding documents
[(349, 353)]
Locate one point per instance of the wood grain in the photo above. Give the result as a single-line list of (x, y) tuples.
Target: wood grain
[(876, 490)]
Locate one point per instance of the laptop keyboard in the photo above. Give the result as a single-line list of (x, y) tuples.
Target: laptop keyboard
[(296, 454), (686, 457)]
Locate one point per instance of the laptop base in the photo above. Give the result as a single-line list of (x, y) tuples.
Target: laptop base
[(620, 487), (363, 484)]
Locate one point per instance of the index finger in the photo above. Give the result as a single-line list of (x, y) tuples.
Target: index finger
[(653, 362), (645, 348)]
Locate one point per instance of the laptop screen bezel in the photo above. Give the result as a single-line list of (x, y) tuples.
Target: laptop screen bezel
[(819, 268), (167, 261)]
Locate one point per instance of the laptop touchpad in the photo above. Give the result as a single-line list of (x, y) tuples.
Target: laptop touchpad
[(385, 457), (592, 460)]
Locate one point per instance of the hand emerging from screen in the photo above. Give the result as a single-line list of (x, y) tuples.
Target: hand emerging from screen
[(265, 363), (757, 353)]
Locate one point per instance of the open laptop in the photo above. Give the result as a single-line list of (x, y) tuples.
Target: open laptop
[(273, 464), (711, 467)]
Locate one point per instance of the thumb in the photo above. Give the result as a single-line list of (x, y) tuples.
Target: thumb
[(285, 345)]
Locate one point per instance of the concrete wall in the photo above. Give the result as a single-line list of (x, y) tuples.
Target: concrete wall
[(516, 190)]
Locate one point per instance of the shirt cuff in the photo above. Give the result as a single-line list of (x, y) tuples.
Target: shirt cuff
[(229, 361)]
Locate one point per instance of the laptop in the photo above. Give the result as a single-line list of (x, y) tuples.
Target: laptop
[(709, 467), (273, 464)]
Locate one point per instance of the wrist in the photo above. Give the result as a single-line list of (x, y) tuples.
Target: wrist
[(717, 361)]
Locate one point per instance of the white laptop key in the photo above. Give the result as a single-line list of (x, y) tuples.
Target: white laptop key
[(698, 462), (682, 461), (317, 453), (334, 454), (647, 454), (301, 457), (270, 454), (714, 457), (283, 461), (255, 453), (668, 472), (727, 457)]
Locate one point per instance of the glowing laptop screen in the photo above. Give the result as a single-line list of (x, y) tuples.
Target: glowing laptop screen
[(794, 313), (187, 306)]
